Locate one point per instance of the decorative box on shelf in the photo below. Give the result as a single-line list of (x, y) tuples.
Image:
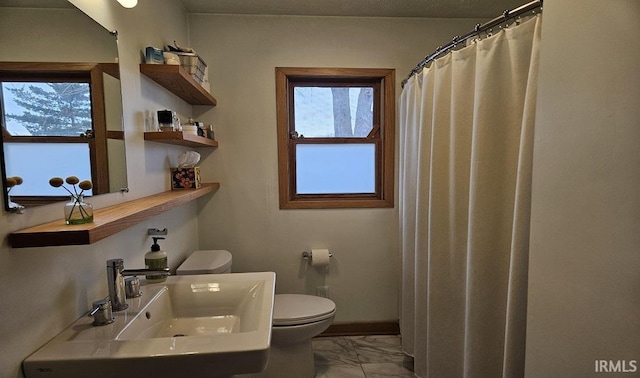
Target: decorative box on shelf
[(185, 178)]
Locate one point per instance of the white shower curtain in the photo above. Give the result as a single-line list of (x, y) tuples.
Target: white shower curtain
[(466, 141)]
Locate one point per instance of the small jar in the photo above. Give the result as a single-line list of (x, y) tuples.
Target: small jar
[(76, 211)]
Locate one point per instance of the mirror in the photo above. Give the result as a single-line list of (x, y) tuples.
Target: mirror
[(49, 47)]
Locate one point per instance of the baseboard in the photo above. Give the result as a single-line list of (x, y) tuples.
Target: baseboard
[(362, 329)]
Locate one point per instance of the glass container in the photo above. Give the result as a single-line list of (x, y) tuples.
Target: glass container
[(76, 211)]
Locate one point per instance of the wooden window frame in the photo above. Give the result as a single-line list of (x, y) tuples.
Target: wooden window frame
[(91, 73), (382, 135)]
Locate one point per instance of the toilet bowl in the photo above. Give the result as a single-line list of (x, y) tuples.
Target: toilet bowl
[(296, 319)]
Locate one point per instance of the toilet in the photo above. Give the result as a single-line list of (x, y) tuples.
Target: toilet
[(296, 319)]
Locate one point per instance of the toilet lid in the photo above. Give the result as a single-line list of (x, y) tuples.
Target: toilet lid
[(296, 309), (205, 262)]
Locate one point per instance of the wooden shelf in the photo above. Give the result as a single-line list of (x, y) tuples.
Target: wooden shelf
[(179, 82), (181, 138), (106, 221)]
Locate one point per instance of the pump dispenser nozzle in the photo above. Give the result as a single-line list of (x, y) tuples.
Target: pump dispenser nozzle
[(155, 247)]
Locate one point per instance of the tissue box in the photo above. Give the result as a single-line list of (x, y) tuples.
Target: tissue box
[(185, 178)]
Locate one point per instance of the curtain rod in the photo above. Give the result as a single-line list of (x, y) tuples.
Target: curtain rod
[(506, 15)]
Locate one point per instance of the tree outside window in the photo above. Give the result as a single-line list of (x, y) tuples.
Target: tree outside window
[(46, 108)]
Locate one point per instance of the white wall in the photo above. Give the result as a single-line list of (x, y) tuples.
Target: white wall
[(45, 289), (244, 216), (584, 283)]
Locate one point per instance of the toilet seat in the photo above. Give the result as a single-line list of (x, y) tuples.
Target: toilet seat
[(298, 309)]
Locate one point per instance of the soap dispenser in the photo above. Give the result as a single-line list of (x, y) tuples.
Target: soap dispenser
[(155, 259)]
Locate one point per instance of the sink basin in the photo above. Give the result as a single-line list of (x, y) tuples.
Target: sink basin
[(188, 326)]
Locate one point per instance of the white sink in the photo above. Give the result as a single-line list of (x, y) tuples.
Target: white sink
[(188, 326)]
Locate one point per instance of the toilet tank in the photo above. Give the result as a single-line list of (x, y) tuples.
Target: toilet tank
[(210, 261)]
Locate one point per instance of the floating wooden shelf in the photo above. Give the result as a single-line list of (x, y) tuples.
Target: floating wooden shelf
[(106, 221), (181, 138), (179, 82)]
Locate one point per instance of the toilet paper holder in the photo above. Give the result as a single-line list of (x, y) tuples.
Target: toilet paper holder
[(307, 255)]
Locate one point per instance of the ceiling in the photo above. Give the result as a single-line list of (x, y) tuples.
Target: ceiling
[(36, 3), (363, 8), (359, 8)]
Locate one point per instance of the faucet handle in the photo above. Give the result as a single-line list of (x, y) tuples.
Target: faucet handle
[(101, 312), (132, 287), (117, 264)]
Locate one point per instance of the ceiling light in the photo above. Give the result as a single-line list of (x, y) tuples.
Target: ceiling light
[(128, 3)]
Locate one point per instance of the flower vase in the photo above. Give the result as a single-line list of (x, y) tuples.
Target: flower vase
[(76, 211)]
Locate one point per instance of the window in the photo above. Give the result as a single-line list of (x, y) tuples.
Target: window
[(53, 124), (335, 137)]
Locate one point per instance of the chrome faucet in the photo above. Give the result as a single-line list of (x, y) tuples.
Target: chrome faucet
[(115, 281)]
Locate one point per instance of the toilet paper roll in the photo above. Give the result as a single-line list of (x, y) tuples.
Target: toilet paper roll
[(320, 257)]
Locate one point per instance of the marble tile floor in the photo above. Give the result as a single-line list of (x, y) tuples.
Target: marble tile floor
[(360, 357)]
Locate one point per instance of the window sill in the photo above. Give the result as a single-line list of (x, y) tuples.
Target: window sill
[(336, 204)]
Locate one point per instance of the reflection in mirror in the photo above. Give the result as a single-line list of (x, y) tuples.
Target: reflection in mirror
[(47, 132)]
